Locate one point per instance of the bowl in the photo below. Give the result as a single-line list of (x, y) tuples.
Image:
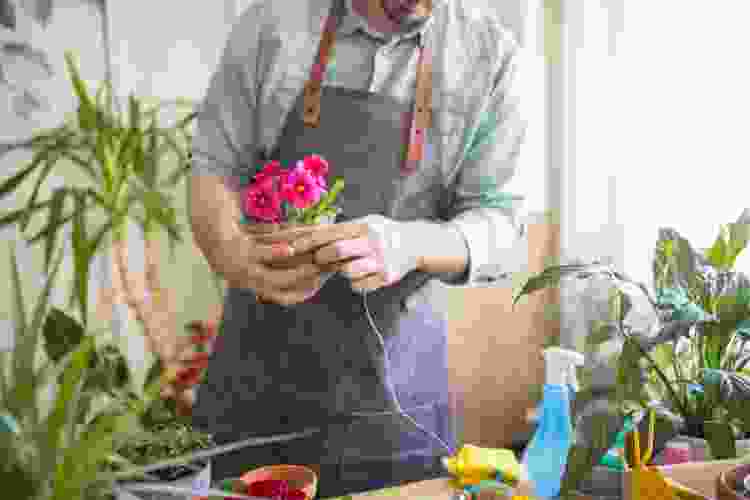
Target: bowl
[(729, 484), (298, 476)]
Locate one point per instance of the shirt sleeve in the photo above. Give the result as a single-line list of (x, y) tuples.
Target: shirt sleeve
[(487, 195), (224, 142)]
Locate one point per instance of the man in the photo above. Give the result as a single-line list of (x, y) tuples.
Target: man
[(415, 104)]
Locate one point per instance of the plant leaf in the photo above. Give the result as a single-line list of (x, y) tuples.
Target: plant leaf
[(26, 343), (8, 14), (59, 428), (62, 334), (81, 255), (56, 208), (11, 184), (15, 216), (28, 53), (87, 113), (49, 164), (720, 437)]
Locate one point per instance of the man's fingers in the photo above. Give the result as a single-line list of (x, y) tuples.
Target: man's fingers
[(361, 268), (284, 279), (276, 252), (327, 234), (342, 250), (369, 283)]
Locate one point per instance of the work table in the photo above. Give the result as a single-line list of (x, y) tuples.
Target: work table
[(698, 476)]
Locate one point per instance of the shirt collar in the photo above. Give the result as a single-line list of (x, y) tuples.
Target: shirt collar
[(352, 21)]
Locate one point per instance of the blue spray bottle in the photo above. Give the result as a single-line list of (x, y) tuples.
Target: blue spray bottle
[(546, 456)]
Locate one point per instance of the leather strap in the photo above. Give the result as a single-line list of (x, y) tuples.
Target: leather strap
[(422, 111)]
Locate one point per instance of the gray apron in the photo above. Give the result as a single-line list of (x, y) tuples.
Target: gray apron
[(283, 369)]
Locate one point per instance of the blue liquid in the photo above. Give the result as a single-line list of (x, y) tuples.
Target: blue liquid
[(546, 456)]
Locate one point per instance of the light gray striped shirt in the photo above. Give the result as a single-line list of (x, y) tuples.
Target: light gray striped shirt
[(477, 122)]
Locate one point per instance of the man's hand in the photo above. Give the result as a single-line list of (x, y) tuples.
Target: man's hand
[(369, 251), (274, 271)]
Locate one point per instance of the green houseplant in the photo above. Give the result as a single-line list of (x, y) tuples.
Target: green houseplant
[(53, 450), (94, 426), (123, 158), (690, 364)]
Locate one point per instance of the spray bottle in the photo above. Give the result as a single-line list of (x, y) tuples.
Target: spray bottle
[(546, 456)]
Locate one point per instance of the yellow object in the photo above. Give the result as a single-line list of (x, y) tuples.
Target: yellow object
[(647, 483), (473, 464)]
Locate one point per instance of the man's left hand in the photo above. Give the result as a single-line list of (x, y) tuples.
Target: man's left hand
[(370, 251)]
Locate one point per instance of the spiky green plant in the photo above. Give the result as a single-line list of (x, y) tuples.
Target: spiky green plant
[(122, 157)]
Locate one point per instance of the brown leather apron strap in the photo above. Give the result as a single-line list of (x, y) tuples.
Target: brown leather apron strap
[(422, 112)]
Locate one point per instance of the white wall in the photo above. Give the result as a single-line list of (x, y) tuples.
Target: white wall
[(682, 122)]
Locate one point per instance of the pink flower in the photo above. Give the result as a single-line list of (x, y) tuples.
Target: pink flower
[(270, 169), (301, 188), (262, 201), (318, 167)]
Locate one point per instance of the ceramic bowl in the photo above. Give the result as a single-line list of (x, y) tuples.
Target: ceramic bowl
[(298, 477), (730, 484)]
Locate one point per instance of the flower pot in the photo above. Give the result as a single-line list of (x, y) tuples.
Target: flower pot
[(695, 450), (196, 480), (298, 477), (734, 484)]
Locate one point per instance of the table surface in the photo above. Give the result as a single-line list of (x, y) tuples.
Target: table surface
[(698, 476)]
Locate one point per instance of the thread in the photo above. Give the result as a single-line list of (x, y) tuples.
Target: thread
[(392, 389)]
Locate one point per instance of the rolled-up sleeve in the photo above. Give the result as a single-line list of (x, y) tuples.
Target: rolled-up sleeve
[(487, 195), (224, 140)]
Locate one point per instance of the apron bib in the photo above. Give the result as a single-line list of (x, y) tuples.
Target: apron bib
[(281, 369)]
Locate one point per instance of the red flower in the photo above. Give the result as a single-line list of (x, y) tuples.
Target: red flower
[(270, 170), (301, 188), (262, 201), (318, 167)]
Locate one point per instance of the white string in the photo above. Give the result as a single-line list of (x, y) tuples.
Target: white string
[(392, 390)]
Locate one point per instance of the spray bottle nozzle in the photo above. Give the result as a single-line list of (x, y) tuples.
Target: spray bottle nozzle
[(560, 366)]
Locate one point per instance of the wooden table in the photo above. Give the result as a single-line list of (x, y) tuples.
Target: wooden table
[(699, 476)]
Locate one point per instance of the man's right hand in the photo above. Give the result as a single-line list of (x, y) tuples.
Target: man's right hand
[(272, 271)]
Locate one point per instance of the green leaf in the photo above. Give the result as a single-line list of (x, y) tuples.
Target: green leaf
[(11, 184), (134, 112), (15, 216), (732, 241), (630, 373), (60, 425), (720, 437), (553, 276), (153, 374), (81, 255), (62, 334), (87, 118), (49, 164), (56, 208)]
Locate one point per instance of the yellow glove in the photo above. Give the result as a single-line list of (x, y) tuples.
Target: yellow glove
[(473, 464)]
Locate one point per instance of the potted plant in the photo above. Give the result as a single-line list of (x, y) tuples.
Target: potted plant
[(163, 433), (689, 363), (53, 442)]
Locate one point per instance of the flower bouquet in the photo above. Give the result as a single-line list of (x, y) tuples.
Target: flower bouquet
[(290, 197), (280, 204)]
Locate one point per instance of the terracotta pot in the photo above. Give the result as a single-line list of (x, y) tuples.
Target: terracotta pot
[(298, 477), (730, 484)]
